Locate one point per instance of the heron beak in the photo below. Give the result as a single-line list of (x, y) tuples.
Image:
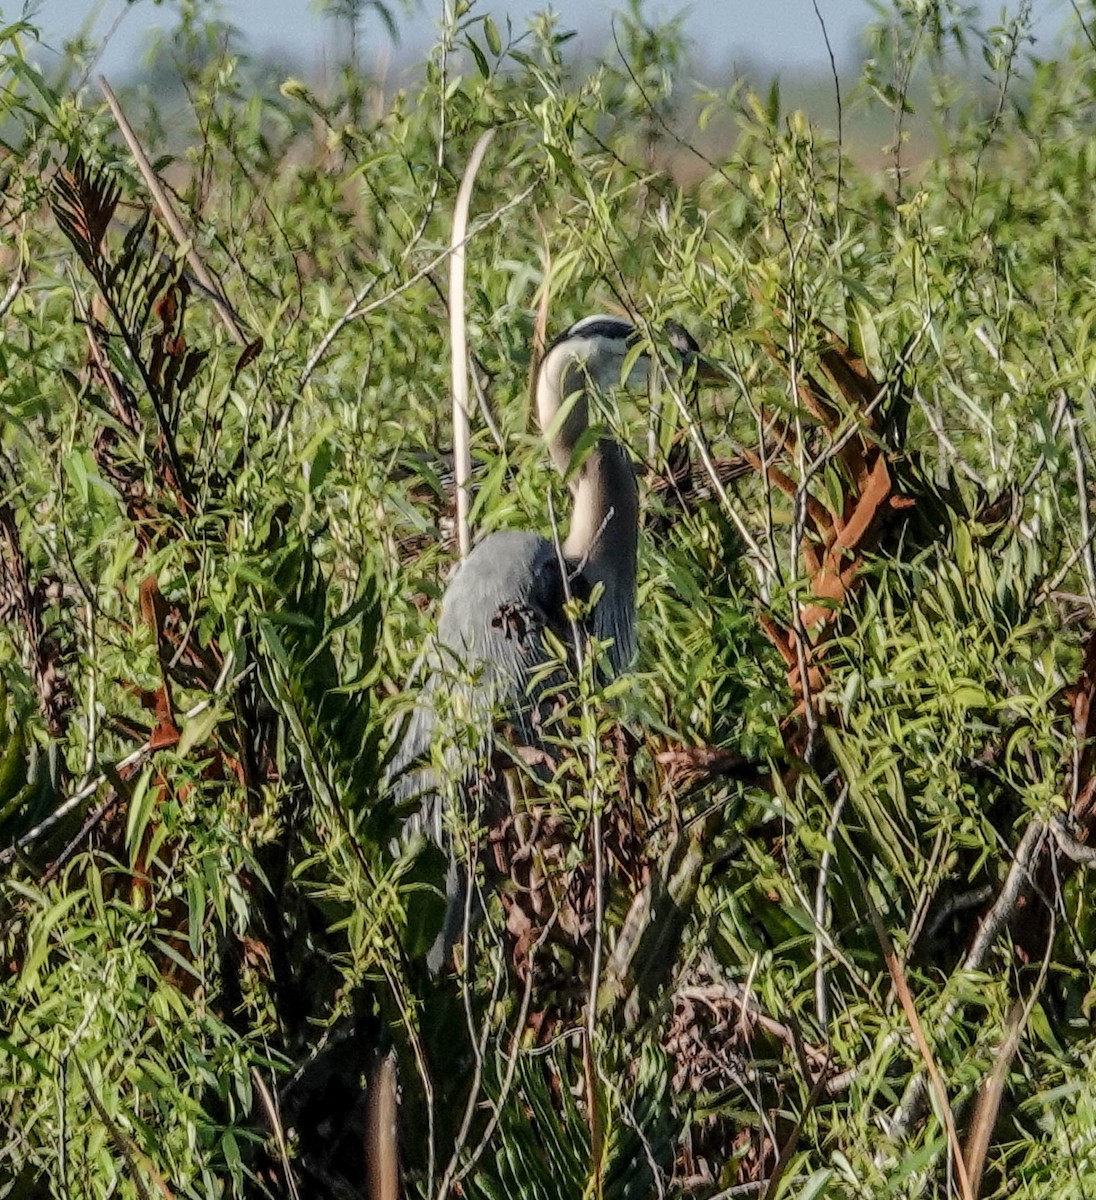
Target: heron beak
[(706, 371)]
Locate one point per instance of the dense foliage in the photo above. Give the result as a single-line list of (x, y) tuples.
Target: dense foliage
[(825, 927)]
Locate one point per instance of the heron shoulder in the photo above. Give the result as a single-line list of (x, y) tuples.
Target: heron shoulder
[(500, 568), (512, 581)]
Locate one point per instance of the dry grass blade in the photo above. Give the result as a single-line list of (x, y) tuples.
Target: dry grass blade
[(540, 325), (901, 986), (989, 1099), (462, 454), (270, 1105), (382, 1132)]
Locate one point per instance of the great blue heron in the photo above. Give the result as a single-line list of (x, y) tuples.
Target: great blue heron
[(488, 661)]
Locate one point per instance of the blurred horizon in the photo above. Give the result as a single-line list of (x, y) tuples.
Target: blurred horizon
[(721, 36)]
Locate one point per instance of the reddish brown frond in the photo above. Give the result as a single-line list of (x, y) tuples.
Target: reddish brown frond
[(84, 202)]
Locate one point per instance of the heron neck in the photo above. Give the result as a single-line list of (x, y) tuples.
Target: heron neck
[(602, 541), (603, 535), (606, 511)]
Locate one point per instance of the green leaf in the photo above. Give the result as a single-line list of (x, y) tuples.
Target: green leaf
[(142, 801), (491, 33), (480, 57), (197, 730)]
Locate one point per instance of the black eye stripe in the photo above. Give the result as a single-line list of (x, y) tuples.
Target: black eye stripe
[(611, 328), (617, 329), (614, 329)]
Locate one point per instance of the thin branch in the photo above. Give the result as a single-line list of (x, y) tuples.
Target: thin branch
[(1018, 884), (1079, 452), (479, 1043), (1074, 850), (1049, 589), (1083, 24), (955, 459), (757, 555), (14, 288), (358, 308), (1055, 426), (840, 115), (787, 1150), (130, 1151), (821, 915), (511, 1065)]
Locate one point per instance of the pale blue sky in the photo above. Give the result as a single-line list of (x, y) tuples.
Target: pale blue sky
[(774, 33)]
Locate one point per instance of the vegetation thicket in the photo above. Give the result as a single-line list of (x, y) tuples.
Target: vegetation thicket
[(800, 906)]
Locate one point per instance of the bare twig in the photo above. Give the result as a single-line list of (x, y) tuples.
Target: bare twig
[(741, 1191), (270, 1104)]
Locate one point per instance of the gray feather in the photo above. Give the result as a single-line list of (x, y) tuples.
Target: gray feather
[(478, 670)]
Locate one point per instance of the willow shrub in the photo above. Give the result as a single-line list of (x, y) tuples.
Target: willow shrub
[(217, 572)]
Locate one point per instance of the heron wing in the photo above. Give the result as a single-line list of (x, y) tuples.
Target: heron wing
[(481, 664)]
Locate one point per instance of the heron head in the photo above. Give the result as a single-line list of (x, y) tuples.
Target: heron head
[(601, 346), (597, 354), (589, 357)]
